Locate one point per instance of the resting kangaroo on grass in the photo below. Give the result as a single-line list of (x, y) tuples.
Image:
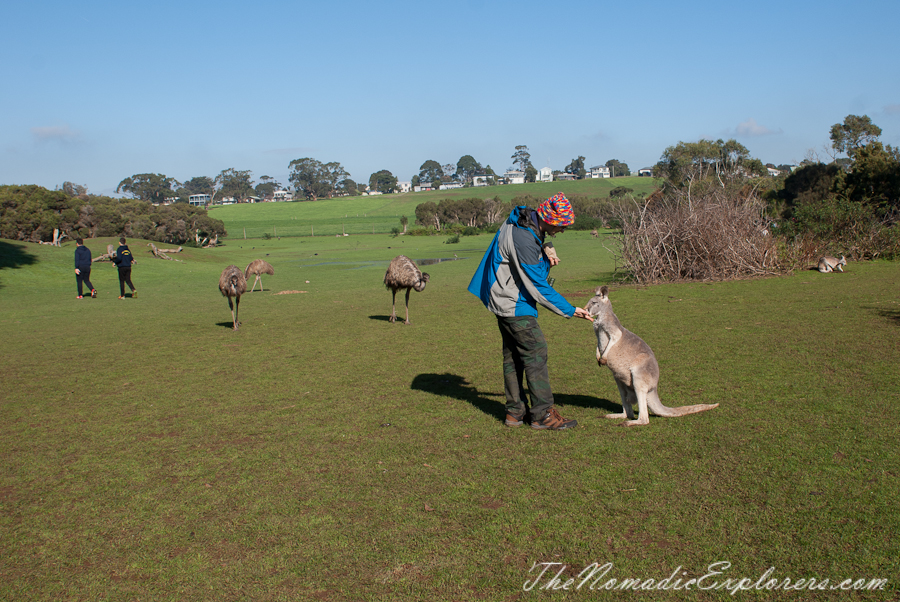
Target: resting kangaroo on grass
[(633, 365)]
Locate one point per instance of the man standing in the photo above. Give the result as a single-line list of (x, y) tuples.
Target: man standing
[(123, 261), (511, 280), (83, 268)]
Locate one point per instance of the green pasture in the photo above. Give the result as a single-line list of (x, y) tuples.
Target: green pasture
[(148, 452), (380, 214)]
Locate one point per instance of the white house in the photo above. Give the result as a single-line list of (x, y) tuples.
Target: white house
[(645, 172), (404, 186), (282, 195), (514, 176), (482, 180), (450, 186), (545, 174), (600, 171), (773, 172)]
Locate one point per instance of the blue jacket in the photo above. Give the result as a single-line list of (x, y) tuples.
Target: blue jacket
[(512, 277), (82, 258), (123, 258)]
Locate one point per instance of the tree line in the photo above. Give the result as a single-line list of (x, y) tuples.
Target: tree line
[(312, 179), (32, 213)]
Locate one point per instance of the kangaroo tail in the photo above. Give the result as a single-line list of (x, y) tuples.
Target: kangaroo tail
[(656, 406)]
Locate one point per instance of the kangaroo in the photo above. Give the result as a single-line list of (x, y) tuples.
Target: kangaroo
[(831, 264), (633, 365)]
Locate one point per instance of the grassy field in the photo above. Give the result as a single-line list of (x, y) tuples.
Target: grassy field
[(379, 214), (148, 452)]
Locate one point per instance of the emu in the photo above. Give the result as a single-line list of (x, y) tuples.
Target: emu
[(403, 273), (258, 267), (233, 284)]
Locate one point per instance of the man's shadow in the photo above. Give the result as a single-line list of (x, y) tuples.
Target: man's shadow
[(494, 404)]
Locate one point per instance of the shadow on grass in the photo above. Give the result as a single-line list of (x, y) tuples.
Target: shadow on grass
[(15, 256), (494, 404), (382, 318), (228, 325), (890, 314)]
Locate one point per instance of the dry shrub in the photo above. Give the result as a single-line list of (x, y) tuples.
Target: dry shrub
[(720, 235)]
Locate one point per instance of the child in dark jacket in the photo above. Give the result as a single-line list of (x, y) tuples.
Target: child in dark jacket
[(123, 260), (83, 268)]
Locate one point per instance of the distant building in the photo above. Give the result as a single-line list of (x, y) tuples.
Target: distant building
[(282, 195), (450, 185), (565, 176), (199, 200), (514, 176), (404, 186), (645, 172), (600, 171), (545, 174)]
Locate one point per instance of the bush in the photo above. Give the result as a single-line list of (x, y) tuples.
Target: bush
[(452, 240), (718, 236)]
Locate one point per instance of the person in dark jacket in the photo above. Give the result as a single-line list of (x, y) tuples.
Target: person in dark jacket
[(124, 260), (83, 268), (511, 280)]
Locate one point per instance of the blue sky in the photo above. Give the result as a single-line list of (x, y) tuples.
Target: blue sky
[(96, 91)]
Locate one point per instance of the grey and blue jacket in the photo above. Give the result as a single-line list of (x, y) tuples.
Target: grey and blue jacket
[(512, 277)]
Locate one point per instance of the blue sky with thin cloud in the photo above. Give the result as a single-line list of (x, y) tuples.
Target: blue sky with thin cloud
[(95, 92)]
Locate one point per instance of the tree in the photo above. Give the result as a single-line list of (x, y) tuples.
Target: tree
[(72, 189), (617, 168), (706, 163), (430, 171), (466, 168), (314, 179), (267, 187), (234, 183), (348, 187), (404, 221), (449, 172), (875, 176), (576, 168), (531, 173), (334, 175), (152, 187), (522, 158), (383, 181), (199, 185), (853, 133)]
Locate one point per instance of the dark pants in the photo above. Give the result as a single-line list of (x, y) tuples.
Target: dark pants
[(85, 278), (125, 278), (525, 353)]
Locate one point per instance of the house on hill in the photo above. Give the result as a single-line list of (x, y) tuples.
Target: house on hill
[(600, 171), (545, 174), (514, 176)]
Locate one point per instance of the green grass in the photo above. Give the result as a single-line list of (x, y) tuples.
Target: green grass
[(322, 453), (379, 214)]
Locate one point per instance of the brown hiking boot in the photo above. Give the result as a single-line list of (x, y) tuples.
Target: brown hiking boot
[(514, 420), (553, 421)]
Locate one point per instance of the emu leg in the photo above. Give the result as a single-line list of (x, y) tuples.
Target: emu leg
[(408, 291), (237, 307), (393, 317)]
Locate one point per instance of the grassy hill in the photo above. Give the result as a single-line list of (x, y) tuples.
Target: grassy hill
[(379, 214)]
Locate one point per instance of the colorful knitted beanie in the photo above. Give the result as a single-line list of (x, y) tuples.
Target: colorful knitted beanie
[(557, 211)]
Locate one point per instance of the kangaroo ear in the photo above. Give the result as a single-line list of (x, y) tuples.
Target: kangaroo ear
[(604, 291), (598, 291)]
